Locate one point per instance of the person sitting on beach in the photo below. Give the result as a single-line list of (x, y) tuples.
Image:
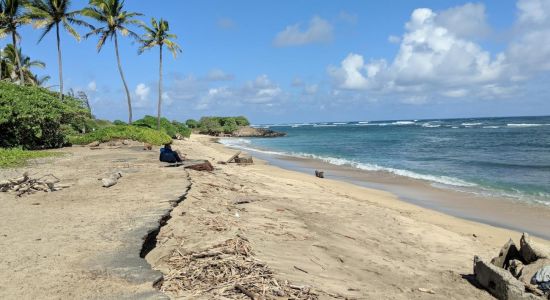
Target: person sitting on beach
[(168, 155)]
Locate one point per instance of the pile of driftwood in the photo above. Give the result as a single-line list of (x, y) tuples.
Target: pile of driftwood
[(228, 270), (26, 185)]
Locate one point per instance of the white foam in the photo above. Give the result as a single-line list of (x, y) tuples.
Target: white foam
[(471, 124), (491, 127), (428, 125), (363, 122), (403, 123), (526, 125), (339, 123)]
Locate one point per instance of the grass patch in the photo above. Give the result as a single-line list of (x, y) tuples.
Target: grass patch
[(122, 132), (15, 157)]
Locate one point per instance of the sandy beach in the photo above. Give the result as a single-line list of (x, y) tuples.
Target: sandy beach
[(333, 239)]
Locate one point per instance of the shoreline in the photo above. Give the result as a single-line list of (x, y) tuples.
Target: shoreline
[(502, 212), (339, 238)]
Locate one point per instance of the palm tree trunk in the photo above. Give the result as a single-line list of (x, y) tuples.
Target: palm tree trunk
[(160, 89), (60, 63), (18, 60), (123, 81), (1, 63)]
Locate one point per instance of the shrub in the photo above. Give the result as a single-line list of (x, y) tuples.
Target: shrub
[(192, 123), (217, 125), (170, 128), (34, 118), (122, 132), (17, 157), (119, 122)]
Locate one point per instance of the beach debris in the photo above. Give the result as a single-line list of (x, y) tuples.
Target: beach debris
[(202, 165), (232, 158), (111, 180), (319, 174), (530, 251), (300, 269), (228, 270), (94, 144), (147, 146), (27, 185), (428, 291), (511, 274), (542, 278), (244, 160)]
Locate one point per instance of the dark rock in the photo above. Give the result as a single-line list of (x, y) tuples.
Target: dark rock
[(508, 252), (256, 132)]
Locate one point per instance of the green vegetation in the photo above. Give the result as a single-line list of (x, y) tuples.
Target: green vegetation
[(218, 125), (17, 157), (171, 128), (192, 124), (34, 118), (122, 132), (158, 35)]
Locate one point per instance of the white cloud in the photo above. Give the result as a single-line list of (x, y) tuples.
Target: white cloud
[(394, 39), (466, 21), (431, 59), (260, 91), (92, 86), (317, 31), (311, 89), (142, 92), (219, 75)]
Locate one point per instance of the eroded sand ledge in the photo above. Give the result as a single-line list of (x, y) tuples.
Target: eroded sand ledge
[(84, 242)]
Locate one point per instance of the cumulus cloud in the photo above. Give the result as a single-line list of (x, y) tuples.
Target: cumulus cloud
[(394, 39), (92, 86), (432, 58), (317, 31), (219, 75), (466, 21), (347, 17), (260, 91), (142, 92)]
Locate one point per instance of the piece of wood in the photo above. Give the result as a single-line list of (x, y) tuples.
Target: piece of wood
[(234, 156), (300, 269), (248, 293), (244, 160)]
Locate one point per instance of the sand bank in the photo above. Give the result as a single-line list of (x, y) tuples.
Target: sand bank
[(344, 240)]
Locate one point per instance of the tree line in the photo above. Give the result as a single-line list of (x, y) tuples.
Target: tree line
[(110, 21)]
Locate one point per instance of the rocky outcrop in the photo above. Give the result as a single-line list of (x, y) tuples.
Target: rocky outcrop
[(256, 132)]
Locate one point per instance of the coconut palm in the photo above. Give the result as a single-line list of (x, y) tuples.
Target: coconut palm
[(114, 19), (11, 68), (48, 14), (158, 35), (13, 17)]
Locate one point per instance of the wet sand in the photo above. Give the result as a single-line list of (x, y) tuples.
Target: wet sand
[(497, 211)]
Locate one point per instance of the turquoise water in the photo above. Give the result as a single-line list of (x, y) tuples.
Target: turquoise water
[(499, 156)]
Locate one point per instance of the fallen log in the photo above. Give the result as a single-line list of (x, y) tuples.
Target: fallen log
[(244, 160)]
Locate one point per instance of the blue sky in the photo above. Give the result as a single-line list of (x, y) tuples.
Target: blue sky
[(301, 61)]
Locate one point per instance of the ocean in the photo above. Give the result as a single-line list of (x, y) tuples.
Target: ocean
[(504, 157)]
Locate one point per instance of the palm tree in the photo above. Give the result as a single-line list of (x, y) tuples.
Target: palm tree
[(49, 14), (114, 19), (158, 35), (12, 18), (11, 67)]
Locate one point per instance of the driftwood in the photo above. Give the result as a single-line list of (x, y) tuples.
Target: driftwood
[(319, 174), (244, 160), (202, 166), (111, 180), (228, 270), (26, 185), (233, 157)]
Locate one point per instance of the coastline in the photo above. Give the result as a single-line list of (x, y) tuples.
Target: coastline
[(342, 239), (507, 213)]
